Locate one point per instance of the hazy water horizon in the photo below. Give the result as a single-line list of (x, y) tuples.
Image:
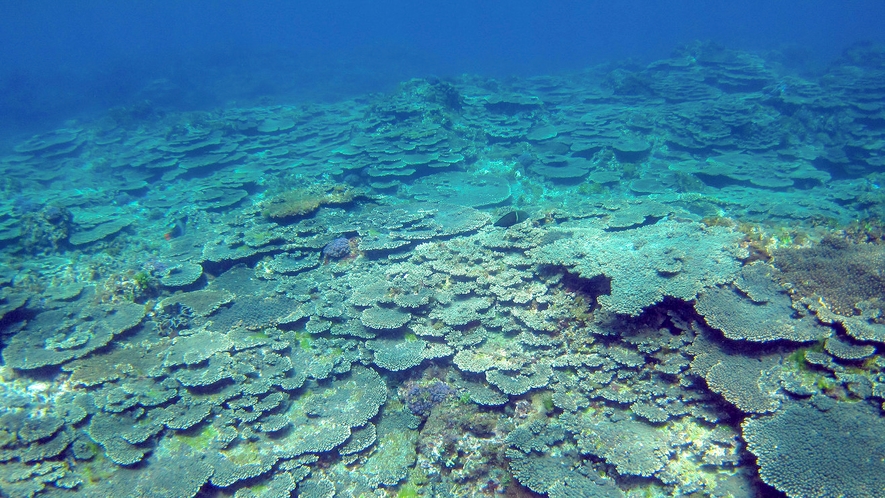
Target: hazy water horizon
[(63, 60)]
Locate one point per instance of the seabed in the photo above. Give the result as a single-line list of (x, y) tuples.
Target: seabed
[(627, 281)]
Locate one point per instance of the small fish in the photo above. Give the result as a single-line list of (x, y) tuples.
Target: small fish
[(512, 218), (177, 229)]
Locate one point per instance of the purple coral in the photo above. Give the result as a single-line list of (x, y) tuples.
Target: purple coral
[(155, 267), (421, 398), (337, 249)]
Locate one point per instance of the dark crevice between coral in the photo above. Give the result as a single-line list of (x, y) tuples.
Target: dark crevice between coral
[(588, 288)]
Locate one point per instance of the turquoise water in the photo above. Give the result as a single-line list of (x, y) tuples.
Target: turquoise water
[(634, 279)]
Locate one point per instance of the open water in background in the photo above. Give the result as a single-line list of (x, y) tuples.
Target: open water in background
[(66, 59)]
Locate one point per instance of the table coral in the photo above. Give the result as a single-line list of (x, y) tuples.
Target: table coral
[(304, 201), (804, 451), (674, 255)]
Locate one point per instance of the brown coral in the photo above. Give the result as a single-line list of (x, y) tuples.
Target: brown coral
[(840, 272), (304, 201)]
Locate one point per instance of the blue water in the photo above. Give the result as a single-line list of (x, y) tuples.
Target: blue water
[(63, 59), (442, 249)]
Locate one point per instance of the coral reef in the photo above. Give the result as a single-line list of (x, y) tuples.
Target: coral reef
[(686, 287)]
